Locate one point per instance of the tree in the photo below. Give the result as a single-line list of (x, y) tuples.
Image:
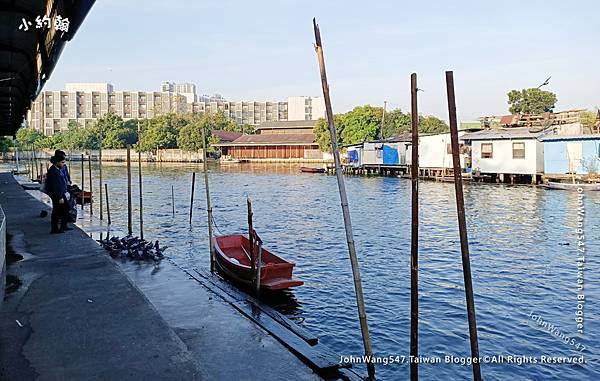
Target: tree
[(321, 131), (588, 120), (396, 122), (5, 144), (161, 132), (431, 125), (28, 136), (531, 101), (116, 133), (190, 135), (361, 124)]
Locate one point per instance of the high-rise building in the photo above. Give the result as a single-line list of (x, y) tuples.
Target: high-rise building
[(83, 103), (306, 108)]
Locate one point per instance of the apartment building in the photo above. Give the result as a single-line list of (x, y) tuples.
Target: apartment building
[(52, 111)]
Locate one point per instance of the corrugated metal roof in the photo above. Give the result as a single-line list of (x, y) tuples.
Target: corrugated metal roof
[(503, 133), (549, 137), (226, 136), (272, 139), (287, 124)]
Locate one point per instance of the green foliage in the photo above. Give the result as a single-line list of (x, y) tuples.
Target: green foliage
[(190, 135), (361, 124), (531, 101), (28, 136), (432, 125), (322, 135), (116, 133), (396, 122), (588, 119), (5, 144), (161, 132)]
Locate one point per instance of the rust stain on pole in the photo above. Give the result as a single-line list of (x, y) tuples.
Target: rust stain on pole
[(462, 225), (414, 249), (362, 314)]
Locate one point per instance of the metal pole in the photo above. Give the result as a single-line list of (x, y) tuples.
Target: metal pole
[(101, 137), (208, 203), (345, 209), (382, 120), (141, 196), (91, 187), (462, 226), (192, 196), (107, 203), (82, 181), (129, 207), (414, 250)]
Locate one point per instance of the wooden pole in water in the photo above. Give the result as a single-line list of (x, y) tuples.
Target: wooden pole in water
[(107, 203), (129, 206), (251, 239), (141, 197), (82, 181), (173, 199), (462, 226), (345, 209), (91, 187), (100, 138), (192, 196), (208, 203), (414, 250)]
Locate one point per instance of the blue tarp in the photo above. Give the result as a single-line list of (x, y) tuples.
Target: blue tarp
[(390, 155), (353, 156)]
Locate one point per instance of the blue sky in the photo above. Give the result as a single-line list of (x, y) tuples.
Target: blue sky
[(262, 50)]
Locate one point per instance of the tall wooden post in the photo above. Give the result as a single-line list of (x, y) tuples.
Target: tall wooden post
[(129, 206), (141, 194), (91, 183), (192, 196), (107, 203), (414, 250), (82, 181), (173, 199), (100, 138), (208, 203), (462, 226), (362, 315), (251, 238)]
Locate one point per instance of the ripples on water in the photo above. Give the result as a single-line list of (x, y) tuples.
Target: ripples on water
[(520, 260)]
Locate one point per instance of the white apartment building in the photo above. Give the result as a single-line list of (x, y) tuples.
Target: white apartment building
[(306, 108), (52, 111)]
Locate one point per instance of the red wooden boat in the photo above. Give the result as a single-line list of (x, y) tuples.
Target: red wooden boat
[(83, 196), (312, 170), (232, 256)]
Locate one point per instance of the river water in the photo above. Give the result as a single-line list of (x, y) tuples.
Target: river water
[(523, 247)]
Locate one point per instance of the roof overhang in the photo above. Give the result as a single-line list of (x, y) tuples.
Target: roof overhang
[(28, 57)]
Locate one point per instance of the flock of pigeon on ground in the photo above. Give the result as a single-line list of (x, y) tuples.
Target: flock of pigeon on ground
[(133, 248)]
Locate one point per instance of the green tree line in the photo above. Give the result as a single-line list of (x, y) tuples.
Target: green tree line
[(161, 132), (363, 123)]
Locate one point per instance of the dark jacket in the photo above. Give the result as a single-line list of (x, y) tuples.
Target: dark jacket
[(56, 184), (65, 172)]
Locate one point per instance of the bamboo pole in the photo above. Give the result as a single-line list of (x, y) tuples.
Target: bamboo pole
[(192, 196), (82, 181), (101, 137), (208, 202), (462, 226), (258, 267), (91, 183), (141, 194), (414, 250), (129, 206), (345, 209), (107, 203)]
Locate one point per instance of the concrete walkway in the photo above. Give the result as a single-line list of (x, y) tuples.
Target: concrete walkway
[(77, 316)]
